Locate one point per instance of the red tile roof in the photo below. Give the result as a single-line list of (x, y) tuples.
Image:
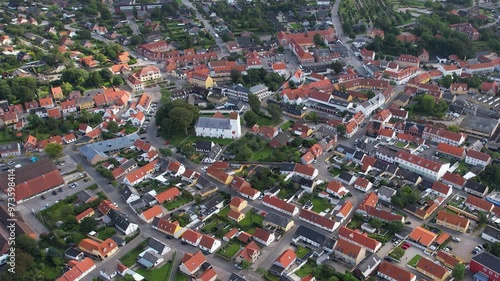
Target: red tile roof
[(207, 241), (395, 272), (106, 206), (77, 270), (168, 195), (193, 262), (237, 201), (478, 155), (454, 178), (304, 169), (447, 259), (347, 248), (169, 227), (359, 238), (155, 211), (191, 236), (450, 149), (103, 247), (249, 251), (479, 203), (419, 161), (278, 203), (336, 187), (370, 200), (452, 219), (432, 268), (261, 234), (84, 214), (286, 258), (441, 187), (362, 182), (208, 275), (317, 218), (232, 214)]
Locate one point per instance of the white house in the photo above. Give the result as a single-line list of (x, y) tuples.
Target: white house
[(477, 158), (263, 237), (216, 127), (362, 184), (209, 244), (422, 166)]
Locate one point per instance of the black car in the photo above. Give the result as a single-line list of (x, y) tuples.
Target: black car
[(43, 197), (54, 192), (183, 242), (60, 189), (407, 222), (169, 237)]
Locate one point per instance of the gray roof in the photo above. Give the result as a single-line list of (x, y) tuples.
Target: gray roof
[(492, 231), (127, 191), (158, 246), (148, 259), (10, 146), (476, 186), (277, 219), (236, 277), (310, 234), (138, 204), (83, 196), (386, 191), (481, 124), (370, 263), (213, 123), (488, 260), (89, 151), (258, 88), (119, 219)]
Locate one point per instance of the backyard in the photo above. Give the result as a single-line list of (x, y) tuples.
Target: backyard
[(301, 251), (250, 219), (320, 204), (158, 274), (131, 257), (106, 233), (413, 262), (179, 202), (230, 249), (305, 270)]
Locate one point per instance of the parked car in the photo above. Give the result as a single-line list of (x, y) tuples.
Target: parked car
[(238, 266), (407, 245), (54, 192), (456, 239), (447, 249), (404, 248)]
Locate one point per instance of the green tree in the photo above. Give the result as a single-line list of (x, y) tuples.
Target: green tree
[(182, 117), (95, 80), (117, 80), (275, 111), (87, 225), (494, 249), (250, 118), (235, 75), (337, 66), (446, 81), (244, 154), (27, 244), (370, 94), (313, 116), (136, 39), (106, 74), (376, 223), (458, 271), (427, 103), (341, 130), (245, 264), (318, 40), (254, 102), (66, 88), (395, 227), (165, 96), (454, 128), (166, 152), (113, 127), (297, 141), (53, 150)]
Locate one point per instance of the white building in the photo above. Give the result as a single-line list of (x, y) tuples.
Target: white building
[(422, 166), (215, 127), (369, 106), (477, 158)]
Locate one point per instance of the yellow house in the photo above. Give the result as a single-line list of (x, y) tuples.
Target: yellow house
[(238, 204), (452, 221), (171, 228), (279, 222), (101, 249), (220, 176), (432, 270), (235, 215), (86, 103), (202, 80)]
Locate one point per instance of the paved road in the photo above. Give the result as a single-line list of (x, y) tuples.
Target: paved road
[(351, 60), (133, 25), (223, 50)]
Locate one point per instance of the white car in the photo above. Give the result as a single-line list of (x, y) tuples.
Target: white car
[(456, 239)]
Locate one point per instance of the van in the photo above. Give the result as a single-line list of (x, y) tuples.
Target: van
[(17, 166)]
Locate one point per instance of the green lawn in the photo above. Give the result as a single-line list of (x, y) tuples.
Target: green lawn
[(106, 233), (223, 212), (462, 168), (413, 262), (181, 277), (263, 154), (354, 224), (157, 274), (5, 137), (251, 218), (335, 172), (400, 144), (286, 125), (131, 257), (230, 249), (301, 251), (266, 121), (182, 200), (305, 270), (320, 204)]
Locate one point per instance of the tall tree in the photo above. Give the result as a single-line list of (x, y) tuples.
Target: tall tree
[(254, 102), (275, 111), (250, 118), (53, 150), (341, 130), (459, 271), (182, 117)]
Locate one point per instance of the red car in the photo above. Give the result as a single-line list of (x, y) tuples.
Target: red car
[(167, 142), (404, 247), (407, 245)]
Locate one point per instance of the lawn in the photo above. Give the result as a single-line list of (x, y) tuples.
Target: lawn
[(305, 270), (400, 144), (5, 137), (223, 212), (230, 249), (180, 277), (301, 251), (462, 168), (354, 224), (413, 262), (106, 233), (263, 154), (250, 219), (335, 172), (131, 257), (181, 201), (320, 204), (286, 125), (157, 274), (266, 121)]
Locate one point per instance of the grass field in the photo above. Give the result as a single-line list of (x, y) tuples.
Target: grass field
[(230, 249), (106, 233), (157, 274), (180, 277), (131, 257), (320, 204), (305, 270), (263, 154), (413, 262), (251, 218), (181, 201), (301, 251), (286, 125)]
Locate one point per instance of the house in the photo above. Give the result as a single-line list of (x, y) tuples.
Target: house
[(422, 236), (360, 239), (228, 128), (170, 228), (192, 263), (77, 270), (250, 253), (349, 252), (167, 195), (346, 178), (318, 220), (437, 134), (46, 102), (491, 234), (392, 272), (314, 238), (489, 88), (100, 249), (85, 214), (202, 80), (485, 266), (441, 189), (208, 275), (121, 222), (459, 88), (138, 175), (307, 158), (150, 259), (476, 203), (151, 213), (428, 168), (238, 204), (106, 206), (477, 158), (455, 180), (74, 254), (281, 223), (68, 106), (432, 270), (57, 93), (280, 205), (280, 140), (367, 267), (191, 237), (336, 189), (450, 151), (447, 259), (283, 262), (263, 237), (452, 221), (385, 193), (209, 244), (10, 149), (362, 184), (476, 188), (305, 171), (235, 215)]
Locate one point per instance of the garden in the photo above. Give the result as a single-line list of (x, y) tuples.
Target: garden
[(130, 258), (230, 249), (182, 200), (413, 262)]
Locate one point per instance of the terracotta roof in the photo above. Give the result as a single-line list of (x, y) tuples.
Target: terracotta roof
[(251, 192), (77, 270), (447, 259), (307, 158), (452, 219), (238, 183), (432, 268), (207, 241), (168, 226), (442, 238), (395, 272), (360, 238), (193, 262), (232, 214), (153, 212), (479, 203), (237, 201), (304, 169), (336, 187), (244, 237), (441, 187), (106, 206), (231, 233), (347, 248), (278, 203), (422, 236), (454, 178), (450, 149), (168, 195), (103, 247), (207, 275), (317, 218), (84, 214), (362, 182), (217, 174), (286, 258), (191, 236), (419, 161), (249, 250), (370, 200), (346, 209), (261, 234), (478, 155)]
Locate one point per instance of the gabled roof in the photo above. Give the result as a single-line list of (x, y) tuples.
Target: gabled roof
[(78, 268), (152, 212), (454, 178), (278, 203), (314, 217), (207, 241), (169, 227), (168, 194), (207, 275), (191, 236), (347, 248), (262, 234), (422, 236), (450, 149), (441, 188), (447, 258), (478, 155), (193, 262), (286, 258), (479, 203), (432, 268), (249, 251), (452, 219), (359, 238), (395, 272), (237, 201)]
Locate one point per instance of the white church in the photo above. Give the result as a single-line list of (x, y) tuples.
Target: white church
[(218, 126)]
